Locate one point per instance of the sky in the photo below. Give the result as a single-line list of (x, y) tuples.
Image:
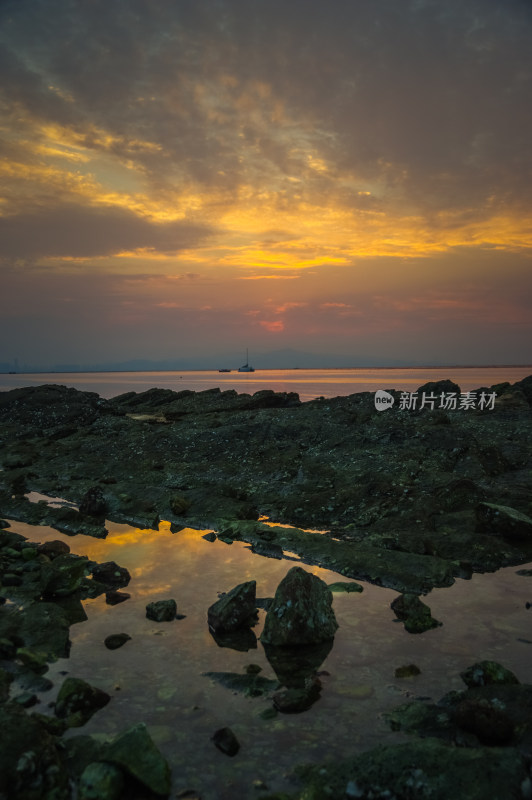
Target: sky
[(350, 179)]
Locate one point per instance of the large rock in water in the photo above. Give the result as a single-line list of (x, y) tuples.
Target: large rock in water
[(301, 611), (234, 610)]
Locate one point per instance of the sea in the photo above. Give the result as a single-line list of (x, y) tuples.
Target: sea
[(308, 383)]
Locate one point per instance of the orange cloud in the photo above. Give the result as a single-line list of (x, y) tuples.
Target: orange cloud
[(275, 326)]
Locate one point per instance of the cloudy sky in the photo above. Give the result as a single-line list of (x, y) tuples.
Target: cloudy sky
[(350, 178)]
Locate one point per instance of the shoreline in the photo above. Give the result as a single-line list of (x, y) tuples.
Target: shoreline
[(408, 500)]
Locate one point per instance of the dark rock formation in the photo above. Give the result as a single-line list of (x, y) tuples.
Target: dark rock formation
[(234, 610), (301, 612)]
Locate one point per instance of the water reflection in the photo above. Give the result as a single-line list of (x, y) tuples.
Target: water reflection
[(159, 675)]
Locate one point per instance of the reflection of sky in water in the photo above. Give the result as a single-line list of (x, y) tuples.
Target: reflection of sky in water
[(157, 676)]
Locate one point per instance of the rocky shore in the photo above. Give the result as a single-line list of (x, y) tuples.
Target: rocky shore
[(406, 499)]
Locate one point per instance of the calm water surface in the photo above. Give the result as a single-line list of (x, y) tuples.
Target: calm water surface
[(157, 677), (308, 383)]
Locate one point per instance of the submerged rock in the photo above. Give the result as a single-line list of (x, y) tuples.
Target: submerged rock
[(407, 671), (234, 610), (226, 741), (301, 612), (297, 699), (162, 610), (414, 613), (116, 640)]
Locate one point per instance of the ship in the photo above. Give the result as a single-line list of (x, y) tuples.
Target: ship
[(247, 366)]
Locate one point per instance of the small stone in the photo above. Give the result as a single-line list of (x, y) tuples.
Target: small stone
[(345, 586), (162, 610), (226, 741), (101, 781), (407, 671), (116, 640)]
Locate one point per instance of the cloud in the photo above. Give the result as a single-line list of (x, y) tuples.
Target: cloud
[(272, 326), (83, 232)]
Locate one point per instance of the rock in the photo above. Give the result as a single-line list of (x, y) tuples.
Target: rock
[(179, 505), (162, 610), (76, 696), (136, 754), (491, 725), (41, 627), (418, 769), (251, 685), (64, 575), (209, 537), (116, 640), (113, 598), (93, 503), (485, 673), (226, 741), (36, 661), (407, 671), (234, 610), (345, 586), (54, 548), (29, 758), (414, 613), (438, 388), (295, 700), (267, 549), (301, 612), (503, 521), (101, 781), (111, 574)]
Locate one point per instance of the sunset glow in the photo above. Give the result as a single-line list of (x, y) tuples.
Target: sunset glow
[(185, 180)]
